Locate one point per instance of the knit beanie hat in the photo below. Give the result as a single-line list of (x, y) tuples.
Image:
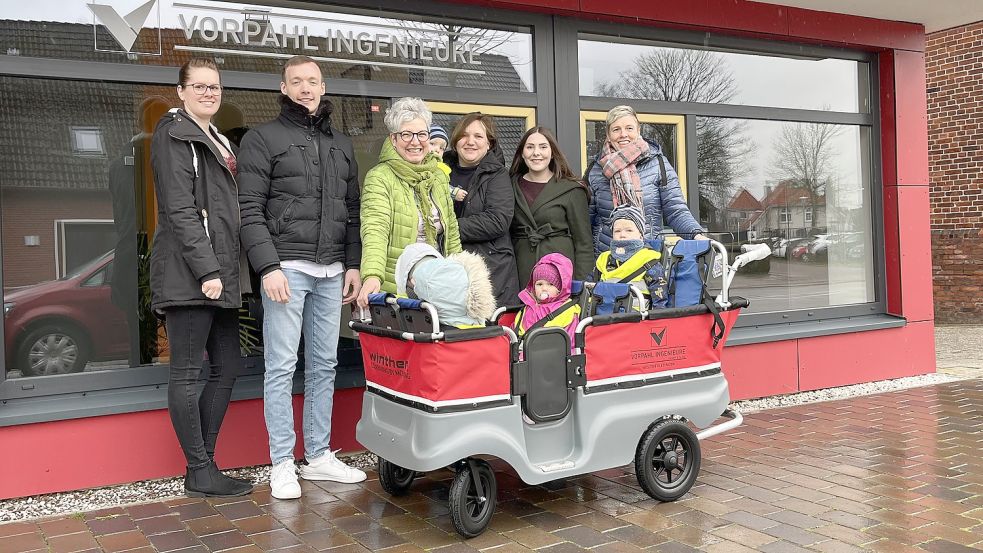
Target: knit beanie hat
[(631, 213), (436, 131), (547, 272)]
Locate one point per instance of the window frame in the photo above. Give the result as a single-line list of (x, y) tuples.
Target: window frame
[(79, 389), (569, 31)]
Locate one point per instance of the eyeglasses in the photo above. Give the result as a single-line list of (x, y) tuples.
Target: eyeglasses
[(200, 88), (407, 136)]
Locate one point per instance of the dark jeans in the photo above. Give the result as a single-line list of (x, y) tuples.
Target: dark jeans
[(191, 331)]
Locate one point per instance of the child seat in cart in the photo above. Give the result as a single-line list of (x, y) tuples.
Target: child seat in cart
[(636, 381)]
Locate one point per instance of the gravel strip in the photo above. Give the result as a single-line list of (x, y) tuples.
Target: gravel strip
[(156, 490), (842, 392)]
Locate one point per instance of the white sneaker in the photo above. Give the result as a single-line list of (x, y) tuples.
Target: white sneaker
[(283, 480), (328, 467)]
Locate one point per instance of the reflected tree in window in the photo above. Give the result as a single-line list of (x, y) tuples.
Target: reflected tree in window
[(804, 158), (675, 75), (499, 62)]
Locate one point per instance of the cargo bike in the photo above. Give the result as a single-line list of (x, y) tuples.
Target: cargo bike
[(443, 397)]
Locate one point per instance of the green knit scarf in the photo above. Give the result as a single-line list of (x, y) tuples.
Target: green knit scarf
[(421, 177)]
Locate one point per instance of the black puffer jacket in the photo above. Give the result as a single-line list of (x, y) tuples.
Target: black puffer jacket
[(185, 255), (483, 220), (299, 191)]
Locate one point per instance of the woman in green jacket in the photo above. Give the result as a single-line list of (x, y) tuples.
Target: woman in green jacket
[(405, 199), (551, 213)]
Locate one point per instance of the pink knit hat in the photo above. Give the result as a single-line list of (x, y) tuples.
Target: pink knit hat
[(547, 272)]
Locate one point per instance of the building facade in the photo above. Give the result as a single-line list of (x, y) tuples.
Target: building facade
[(817, 117), (954, 81)]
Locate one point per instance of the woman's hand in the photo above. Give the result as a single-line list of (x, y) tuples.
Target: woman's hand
[(353, 283), (371, 285), (460, 194), (212, 288), (700, 237)]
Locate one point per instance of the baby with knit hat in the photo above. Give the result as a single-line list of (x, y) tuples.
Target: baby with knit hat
[(630, 259), (438, 144), (547, 297)]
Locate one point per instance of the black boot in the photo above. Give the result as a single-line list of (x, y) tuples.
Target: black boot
[(208, 481), (187, 478)]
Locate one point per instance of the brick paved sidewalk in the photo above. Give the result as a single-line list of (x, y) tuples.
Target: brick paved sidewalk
[(894, 472)]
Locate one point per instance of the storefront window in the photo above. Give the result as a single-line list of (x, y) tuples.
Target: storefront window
[(805, 191), (683, 74), (349, 43), (77, 229)]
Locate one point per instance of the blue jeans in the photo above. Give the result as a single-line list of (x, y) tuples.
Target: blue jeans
[(315, 305)]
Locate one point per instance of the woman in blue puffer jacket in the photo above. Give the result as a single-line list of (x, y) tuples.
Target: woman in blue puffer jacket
[(628, 171)]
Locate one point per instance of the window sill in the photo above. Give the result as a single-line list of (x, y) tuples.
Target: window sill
[(760, 334), (135, 399)]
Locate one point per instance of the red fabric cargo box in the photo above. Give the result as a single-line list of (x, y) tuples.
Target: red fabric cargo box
[(438, 374), (625, 352)]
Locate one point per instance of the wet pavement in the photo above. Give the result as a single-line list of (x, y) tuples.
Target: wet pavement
[(894, 472)]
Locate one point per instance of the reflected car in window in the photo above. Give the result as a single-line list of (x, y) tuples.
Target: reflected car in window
[(57, 327), (786, 247)]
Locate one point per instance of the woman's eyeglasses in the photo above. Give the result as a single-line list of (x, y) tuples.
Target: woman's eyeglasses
[(200, 88), (407, 136)]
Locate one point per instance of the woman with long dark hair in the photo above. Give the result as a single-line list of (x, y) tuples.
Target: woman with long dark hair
[(551, 207), (194, 271)]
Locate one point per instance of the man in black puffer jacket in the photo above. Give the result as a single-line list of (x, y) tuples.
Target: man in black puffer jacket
[(299, 196)]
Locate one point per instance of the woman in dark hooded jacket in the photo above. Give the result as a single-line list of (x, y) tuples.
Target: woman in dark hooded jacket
[(483, 218), (194, 271)]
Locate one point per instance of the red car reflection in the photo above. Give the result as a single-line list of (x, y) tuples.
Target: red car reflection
[(57, 327)]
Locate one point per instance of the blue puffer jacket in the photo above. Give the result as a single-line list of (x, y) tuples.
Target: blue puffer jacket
[(663, 205)]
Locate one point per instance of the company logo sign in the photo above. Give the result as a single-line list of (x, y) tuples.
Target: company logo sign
[(659, 336), (126, 28)]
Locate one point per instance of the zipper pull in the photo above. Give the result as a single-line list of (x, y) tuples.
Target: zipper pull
[(204, 223)]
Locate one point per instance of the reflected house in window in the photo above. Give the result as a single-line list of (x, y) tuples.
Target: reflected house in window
[(741, 210), (789, 211)]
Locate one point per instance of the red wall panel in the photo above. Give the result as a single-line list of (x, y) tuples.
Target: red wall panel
[(915, 249), (744, 16), (559, 7), (759, 370), (892, 251), (853, 30), (827, 361), (99, 451), (888, 118), (692, 12), (911, 123)]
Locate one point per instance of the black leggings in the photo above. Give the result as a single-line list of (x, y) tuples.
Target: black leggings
[(196, 419)]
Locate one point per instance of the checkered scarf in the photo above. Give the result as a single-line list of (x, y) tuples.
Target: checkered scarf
[(619, 167)]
